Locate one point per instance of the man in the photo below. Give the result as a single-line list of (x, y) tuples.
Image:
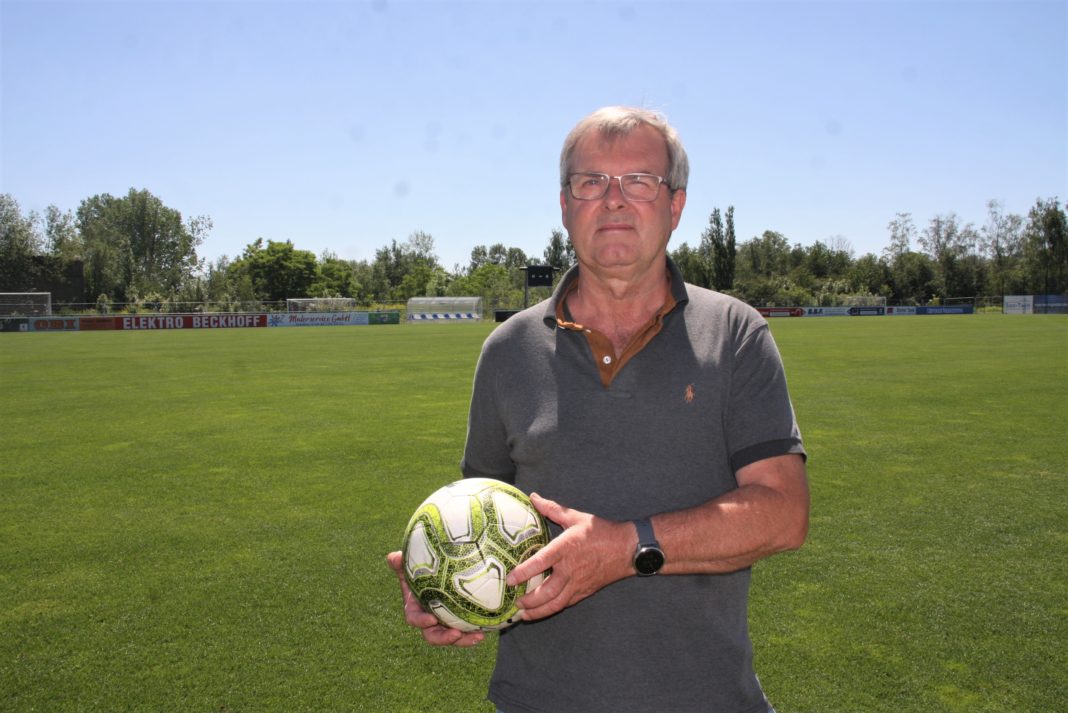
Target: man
[(651, 422)]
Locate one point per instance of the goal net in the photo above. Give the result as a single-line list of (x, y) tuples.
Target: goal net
[(28, 304), (321, 304), (444, 309)]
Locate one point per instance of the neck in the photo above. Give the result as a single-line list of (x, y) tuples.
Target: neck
[(624, 291), (617, 307)]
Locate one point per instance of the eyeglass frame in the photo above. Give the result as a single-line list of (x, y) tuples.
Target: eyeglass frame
[(660, 180)]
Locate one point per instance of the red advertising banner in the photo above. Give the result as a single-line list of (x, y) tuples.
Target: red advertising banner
[(781, 311), (94, 323), (55, 324), (190, 321)]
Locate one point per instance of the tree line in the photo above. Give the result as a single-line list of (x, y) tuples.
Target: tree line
[(135, 252)]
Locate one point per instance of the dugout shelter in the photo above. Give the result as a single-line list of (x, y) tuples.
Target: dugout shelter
[(444, 309)]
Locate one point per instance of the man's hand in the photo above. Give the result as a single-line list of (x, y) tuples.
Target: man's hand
[(767, 513), (588, 555), (414, 614)]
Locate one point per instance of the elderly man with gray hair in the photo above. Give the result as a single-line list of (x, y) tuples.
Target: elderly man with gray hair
[(651, 423)]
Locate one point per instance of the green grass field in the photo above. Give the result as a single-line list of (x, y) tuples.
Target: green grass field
[(197, 520)]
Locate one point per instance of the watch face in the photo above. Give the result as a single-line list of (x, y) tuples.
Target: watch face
[(648, 561)]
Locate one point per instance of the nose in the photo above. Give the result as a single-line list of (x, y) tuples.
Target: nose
[(614, 195)]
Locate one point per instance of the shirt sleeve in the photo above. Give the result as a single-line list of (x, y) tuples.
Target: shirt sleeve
[(761, 422), (486, 451)]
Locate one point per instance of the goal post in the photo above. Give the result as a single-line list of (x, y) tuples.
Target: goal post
[(25, 304)]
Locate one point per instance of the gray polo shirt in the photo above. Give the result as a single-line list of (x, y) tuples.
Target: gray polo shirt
[(704, 398)]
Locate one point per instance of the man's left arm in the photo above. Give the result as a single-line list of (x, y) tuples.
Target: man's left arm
[(765, 514)]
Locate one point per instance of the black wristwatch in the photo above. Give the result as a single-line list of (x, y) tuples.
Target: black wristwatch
[(648, 558)]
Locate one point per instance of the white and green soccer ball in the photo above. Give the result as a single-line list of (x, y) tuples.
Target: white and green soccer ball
[(460, 545)]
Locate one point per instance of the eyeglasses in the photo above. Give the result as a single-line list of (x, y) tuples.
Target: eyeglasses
[(635, 186)]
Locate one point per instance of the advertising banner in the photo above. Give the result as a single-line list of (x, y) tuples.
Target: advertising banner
[(826, 311), (958, 309), (190, 321), (331, 319), (1050, 304), (899, 311), (317, 319), (93, 324), (388, 317), (781, 311), (54, 324), (867, 311)]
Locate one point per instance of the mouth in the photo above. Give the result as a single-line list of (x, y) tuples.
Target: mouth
[(608, 227)]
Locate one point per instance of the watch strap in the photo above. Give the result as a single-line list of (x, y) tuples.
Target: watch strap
[(646, 536)]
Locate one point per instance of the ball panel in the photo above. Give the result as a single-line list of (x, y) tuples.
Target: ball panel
[(516, 520), (483, 585), (447, 618), (420, 560), (474, 531)]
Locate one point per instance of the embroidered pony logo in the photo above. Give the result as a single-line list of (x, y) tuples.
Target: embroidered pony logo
[(688, 395)]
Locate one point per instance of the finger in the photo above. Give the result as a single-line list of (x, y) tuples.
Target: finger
[(541, 561), (432, 630), (445, 636), (539, 607), (550, 509), (418, 617), (547, 591)]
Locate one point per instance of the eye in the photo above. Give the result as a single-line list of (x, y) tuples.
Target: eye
[(640, 180)]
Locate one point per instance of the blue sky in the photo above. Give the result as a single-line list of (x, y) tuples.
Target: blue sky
[(344, 126)]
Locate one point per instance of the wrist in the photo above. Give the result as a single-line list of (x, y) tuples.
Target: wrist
[(648, 558)]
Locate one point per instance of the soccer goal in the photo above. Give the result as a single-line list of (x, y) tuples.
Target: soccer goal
[(321, 304), (444, 309), (26, 304)]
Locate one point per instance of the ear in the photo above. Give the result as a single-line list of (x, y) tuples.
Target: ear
[(563, 206), (678, 202)]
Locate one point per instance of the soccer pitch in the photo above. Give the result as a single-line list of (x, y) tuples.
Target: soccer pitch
[(197, 520)]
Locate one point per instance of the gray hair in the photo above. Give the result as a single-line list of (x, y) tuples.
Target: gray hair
[(614, 121)]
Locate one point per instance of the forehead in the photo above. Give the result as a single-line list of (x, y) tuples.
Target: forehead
[(641, 150)]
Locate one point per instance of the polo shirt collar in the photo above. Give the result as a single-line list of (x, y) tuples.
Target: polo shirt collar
[(678, 290)]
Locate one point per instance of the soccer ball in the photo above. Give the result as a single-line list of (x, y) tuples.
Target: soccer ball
[(460, 545)]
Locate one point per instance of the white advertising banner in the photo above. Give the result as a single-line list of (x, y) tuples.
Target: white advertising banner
[(318, 319), (1018, 304)]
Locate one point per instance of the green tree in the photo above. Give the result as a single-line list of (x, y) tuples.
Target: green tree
[(717, 252), (560, 253), (708, 252), (136, 245), (953, 246), (62, 238), (1046, 247), (336, 278), (902, 233), (690, 264), (1002, 243), (766, 256), (724, 267), (276, 272), (913, 278), (493, 283), (20, 242), (397, 260), (871, 275)]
